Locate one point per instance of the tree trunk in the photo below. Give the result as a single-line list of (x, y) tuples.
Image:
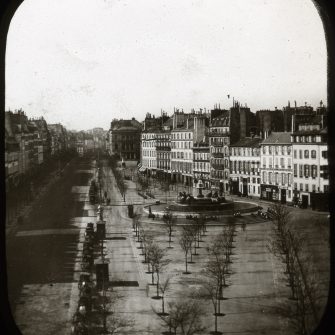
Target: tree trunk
[(157, 283), (216, 319), (186, 261), (163, 309)]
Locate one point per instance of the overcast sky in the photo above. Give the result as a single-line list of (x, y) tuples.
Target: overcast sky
[(85, 62)]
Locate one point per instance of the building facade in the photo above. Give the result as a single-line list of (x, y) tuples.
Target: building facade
[(201, 163), (125, 138), (183, 137), (276, 168), (219, 141), (245, 160), (310, 165)]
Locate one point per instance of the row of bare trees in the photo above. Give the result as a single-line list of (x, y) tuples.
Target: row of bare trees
[(119, 178), (191, 236), (183, 315), (289, 246)]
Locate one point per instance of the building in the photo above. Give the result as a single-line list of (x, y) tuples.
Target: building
[(184, 134), (149, 143), (276, 167), (43, 139), (12, 154), (201, 163), (245, 161), (219, 141), (124, 139), (59, 139), (163, 152), (17, 128), (310, 165)]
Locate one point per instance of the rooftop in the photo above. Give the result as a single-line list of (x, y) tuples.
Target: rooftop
[(278, 138), (248, 142)]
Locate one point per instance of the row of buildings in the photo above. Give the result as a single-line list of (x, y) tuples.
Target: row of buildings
[(32, 142), (274, 155)]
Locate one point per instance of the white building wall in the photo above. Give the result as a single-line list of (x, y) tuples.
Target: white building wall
[(276, 160)]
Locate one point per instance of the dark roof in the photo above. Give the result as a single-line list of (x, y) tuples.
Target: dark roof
[(190, 125), (247, 142), (278, 138), (222, 121), (117, 124)]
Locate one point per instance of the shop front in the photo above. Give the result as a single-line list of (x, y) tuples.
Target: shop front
[(234, 188), (269, 192)]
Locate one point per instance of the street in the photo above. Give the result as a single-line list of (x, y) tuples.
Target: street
[(44, 264)]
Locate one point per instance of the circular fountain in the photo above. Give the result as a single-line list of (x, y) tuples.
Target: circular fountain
[(213, 203)]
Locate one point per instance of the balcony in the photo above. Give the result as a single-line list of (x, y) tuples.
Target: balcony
[(218, 166), (217, 134), (163, 148), (217, 154), (217, 144)]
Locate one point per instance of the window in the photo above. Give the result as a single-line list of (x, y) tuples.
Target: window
[(276, 178), (306, 188), (283, 179), (264, 177), (313, 154), (264, 162), (324, 154), (295, 186), (313, 188), (270, 177), (306, 171), (301, 170), (270, 162), (300, 154), (282, 164), (270, 150), (289, 163), (264, 150), (314, 171), (289, 150), (295, 153), (301, 187), (277, 150), (306, 154)]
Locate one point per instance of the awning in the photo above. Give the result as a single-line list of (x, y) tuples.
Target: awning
[(142, 169)]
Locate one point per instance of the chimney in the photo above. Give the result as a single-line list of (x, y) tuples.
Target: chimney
[(293, 123), (295, 104)]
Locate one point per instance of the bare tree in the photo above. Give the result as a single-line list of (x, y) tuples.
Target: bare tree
[(169, 223), (288, 247), (185, 242), (163, 287), (156, 258), (216, 267), (210, 291), (147, 240), (135, 221), (186, 316), (158, 263)]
